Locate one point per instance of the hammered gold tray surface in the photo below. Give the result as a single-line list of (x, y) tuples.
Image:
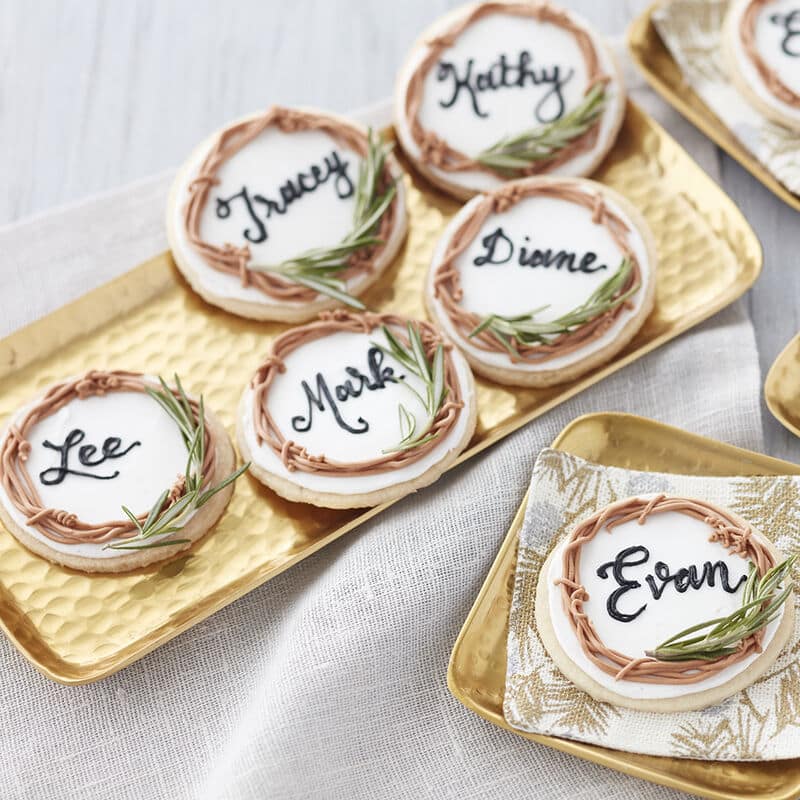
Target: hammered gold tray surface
[(77, 628), (477, 671), (659, 68), (782, 387)]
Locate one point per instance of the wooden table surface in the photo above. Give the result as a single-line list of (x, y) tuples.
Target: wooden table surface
[(95, 94)]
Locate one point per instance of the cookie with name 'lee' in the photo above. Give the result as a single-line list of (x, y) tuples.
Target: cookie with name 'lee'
[(661, 603), (761, 43), (111, 471), (286, 213), (499, 90), (354, 410), (543, 279)]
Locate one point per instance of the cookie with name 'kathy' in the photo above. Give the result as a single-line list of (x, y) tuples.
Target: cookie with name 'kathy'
[(664, 604), (761, 43), (543, 279), (112, 471), (504, 89), (287, 213), (354, 410)]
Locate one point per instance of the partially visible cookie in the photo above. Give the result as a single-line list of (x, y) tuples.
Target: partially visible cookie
[(355, 410), (93, 473), (270, 218), (762, 50), (617, 600), (502, 89), (542, 280)]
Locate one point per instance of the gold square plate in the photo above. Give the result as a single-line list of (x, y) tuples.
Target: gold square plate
[(477, 671), (77, 628), (656, 63), (782, 387)]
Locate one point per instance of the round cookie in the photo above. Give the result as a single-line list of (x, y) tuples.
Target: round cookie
[(83, 459), (354, 410), (270, 218), (761, 43), (499, 90), (633, 576), (543, 279)]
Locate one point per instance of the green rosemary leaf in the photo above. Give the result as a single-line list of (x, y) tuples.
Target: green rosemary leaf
[(207, 495), (519, 151), (370, 206), (135, 544), (322, 286), (432, 374), (761, 603), (161, 521), (526, 330), (408, 423)]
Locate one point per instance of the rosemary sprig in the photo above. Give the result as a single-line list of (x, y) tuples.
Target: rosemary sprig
[(519, 151), (761, 603), (526, 330), (163, 521), (430, 372), (318, 268)]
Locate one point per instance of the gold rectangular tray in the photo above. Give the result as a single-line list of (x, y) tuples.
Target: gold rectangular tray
[(659, 68), (782, 387), (78, 628), (477, 671)]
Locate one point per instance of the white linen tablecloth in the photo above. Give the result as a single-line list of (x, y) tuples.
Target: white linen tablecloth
[(329, 681)]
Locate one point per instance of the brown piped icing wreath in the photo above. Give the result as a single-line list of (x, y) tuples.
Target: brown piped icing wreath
[(343, 387), (259, 286), (113, 545), (524, 68), (707, 680), (564, 354)]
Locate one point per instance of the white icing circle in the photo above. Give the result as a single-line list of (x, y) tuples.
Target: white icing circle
[(510, 289), (768, 37), (145, 471), (679, 541), (377, 409), (510, 109), (319, 218)]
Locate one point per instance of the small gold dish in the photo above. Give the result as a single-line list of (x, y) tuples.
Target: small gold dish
[(782, 387), (657, 65), (477, 671), (77, 628)]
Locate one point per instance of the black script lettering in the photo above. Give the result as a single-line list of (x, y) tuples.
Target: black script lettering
[(260, 208), (86, 457), (321, 397)]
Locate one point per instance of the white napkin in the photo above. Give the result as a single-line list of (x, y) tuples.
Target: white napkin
[(761, 722), (329, 681)]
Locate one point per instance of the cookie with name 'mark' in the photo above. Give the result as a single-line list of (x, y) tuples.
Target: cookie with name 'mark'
[(543, 279), (761, 43), (286, 213), (661, 603), (500, 90), (354, 410), (112, 471)]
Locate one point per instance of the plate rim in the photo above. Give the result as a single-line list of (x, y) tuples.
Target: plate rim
[(618, 760)]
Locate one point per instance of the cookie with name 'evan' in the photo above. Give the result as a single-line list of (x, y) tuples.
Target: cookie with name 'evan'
[(665, 604), (354, 410), (111, 471), (543, 279), (505, 89), (761, 44), (286, 213)]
